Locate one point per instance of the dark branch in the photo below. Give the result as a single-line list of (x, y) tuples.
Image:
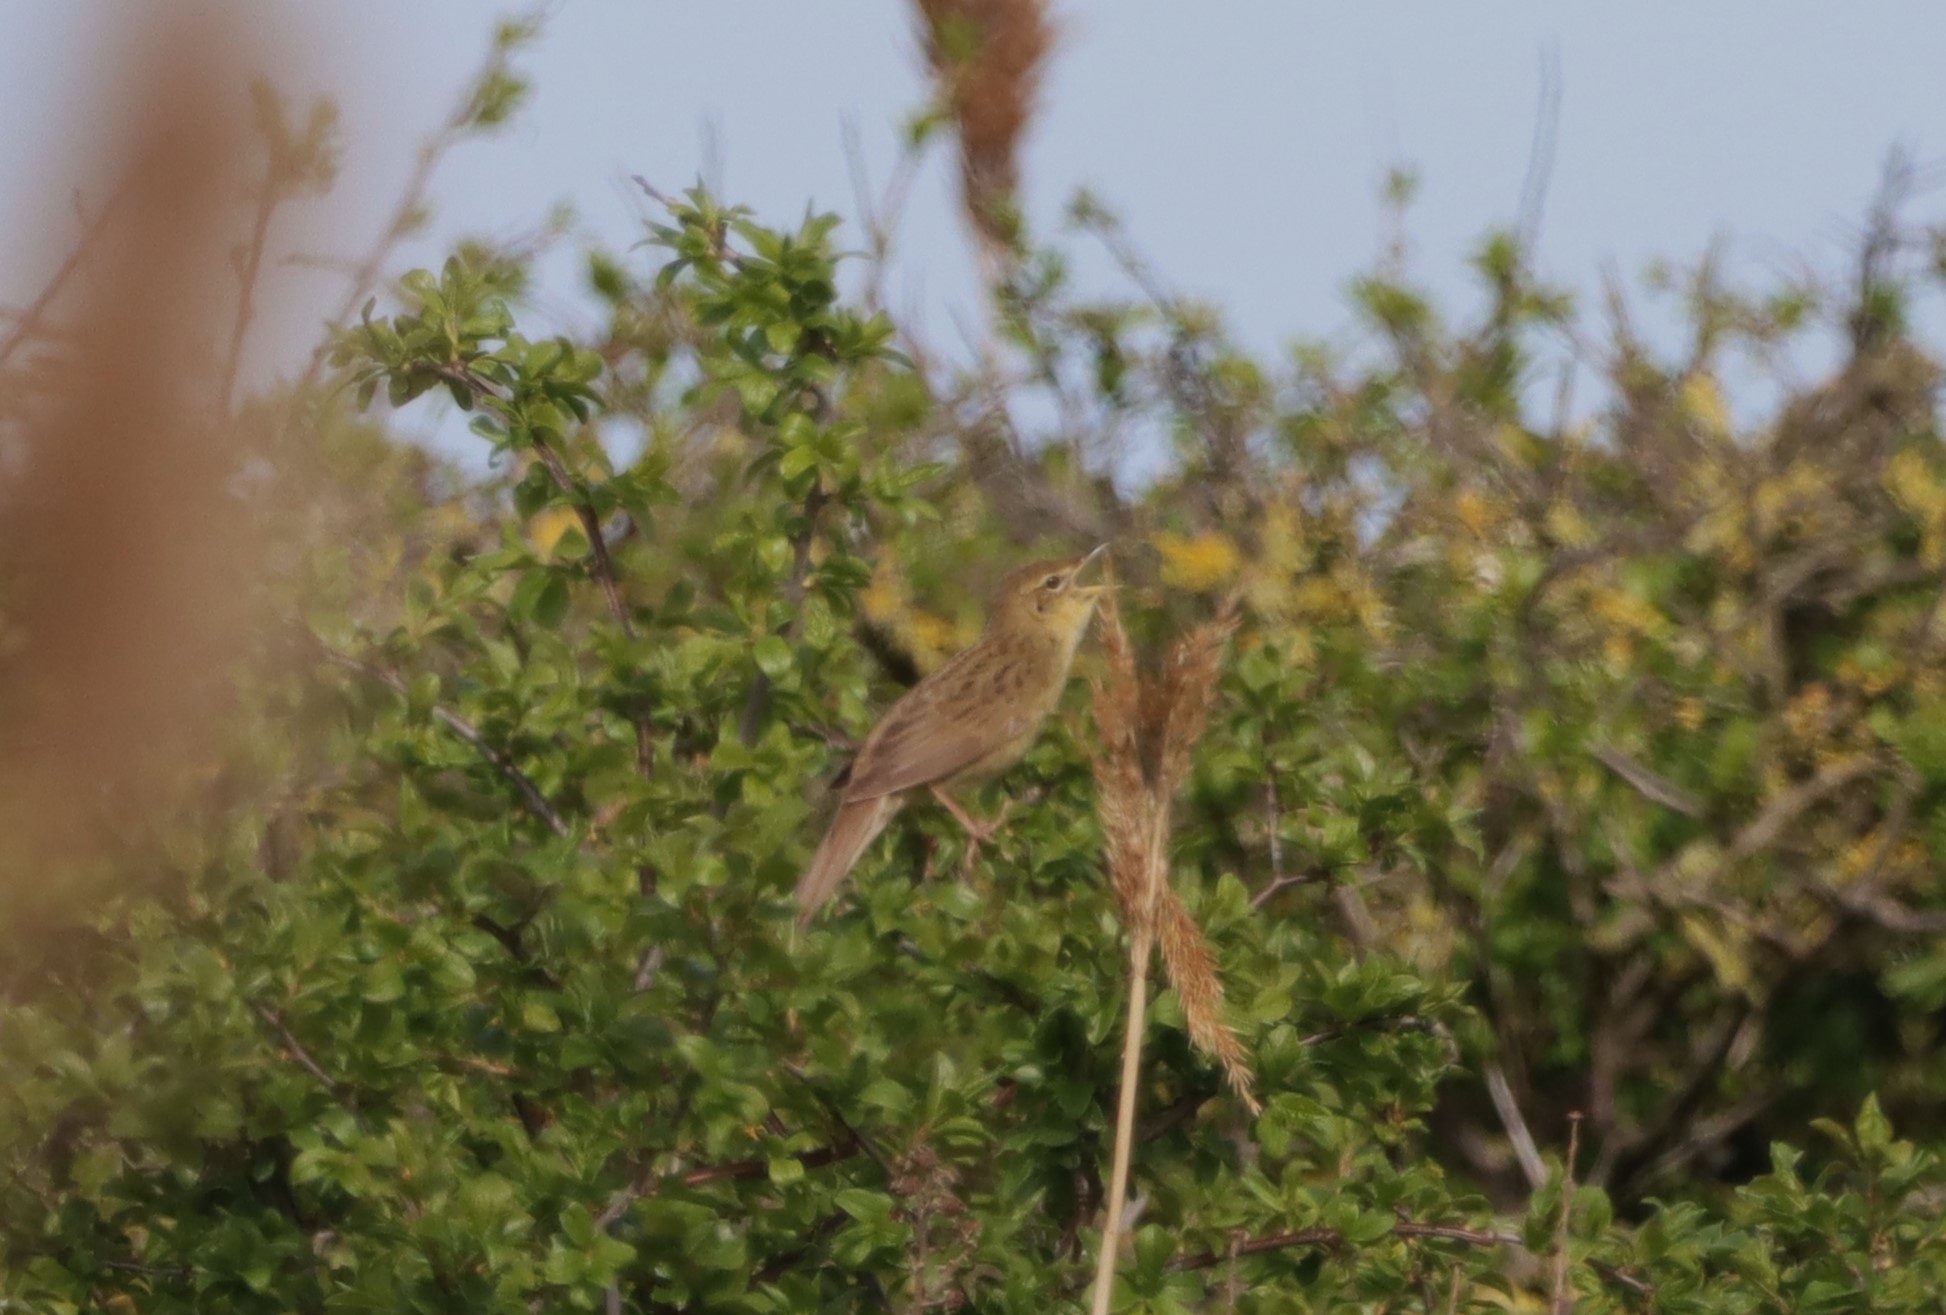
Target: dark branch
[(1647, 784), (536, 801), (275, 1021)]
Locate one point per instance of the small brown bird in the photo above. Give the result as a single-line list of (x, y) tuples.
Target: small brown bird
[(971, 719)]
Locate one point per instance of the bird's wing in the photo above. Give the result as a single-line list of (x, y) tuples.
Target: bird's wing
[(857, 824), (922, 741)]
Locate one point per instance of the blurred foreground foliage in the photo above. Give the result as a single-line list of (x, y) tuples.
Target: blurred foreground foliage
[(1578, 784)]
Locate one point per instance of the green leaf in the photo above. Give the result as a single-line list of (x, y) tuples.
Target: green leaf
[(796, 461), (773, 656), (550, 600)]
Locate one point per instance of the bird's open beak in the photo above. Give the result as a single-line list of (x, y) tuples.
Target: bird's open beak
[(1101, 551)]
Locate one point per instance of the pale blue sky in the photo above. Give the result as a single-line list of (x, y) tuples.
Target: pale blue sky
[(1243, 143)]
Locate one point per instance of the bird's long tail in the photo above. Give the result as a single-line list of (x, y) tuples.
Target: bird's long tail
[(857, 824)]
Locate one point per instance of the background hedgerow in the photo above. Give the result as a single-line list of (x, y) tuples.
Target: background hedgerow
[(398, 861)]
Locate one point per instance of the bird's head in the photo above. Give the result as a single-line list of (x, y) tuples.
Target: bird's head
[(1049, 598)]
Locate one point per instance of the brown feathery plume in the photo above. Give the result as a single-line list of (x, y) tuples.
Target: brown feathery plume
[(1133, 792), (1186, 953), (1121, 793), (986, 57), (1149, 731), (1189, 688), (122, 551)]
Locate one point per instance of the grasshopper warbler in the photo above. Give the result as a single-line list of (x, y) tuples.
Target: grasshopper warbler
[(971, 719)]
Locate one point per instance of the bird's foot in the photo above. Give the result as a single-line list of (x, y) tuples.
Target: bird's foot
[(977, 833)]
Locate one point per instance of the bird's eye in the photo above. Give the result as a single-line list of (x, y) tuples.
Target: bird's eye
[(1051, 582)]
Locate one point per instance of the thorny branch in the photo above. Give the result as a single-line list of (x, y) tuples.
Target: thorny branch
[(1515, 1123)]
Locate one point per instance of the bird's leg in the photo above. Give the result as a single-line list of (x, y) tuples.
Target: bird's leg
[(977, 833)]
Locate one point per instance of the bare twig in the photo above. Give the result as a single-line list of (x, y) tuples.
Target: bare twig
[(1763, 831), (1332, 1240), (1273, 827), (647, 965), (270, 195), (1540, 155), (881, 217), (1559, 1301), (1887, 914), (1706, 1134), (1622, 1278), (412, 199), (1647, 784), (28, 321), (1504, 1104), (1276, 884), (1623, 1162)]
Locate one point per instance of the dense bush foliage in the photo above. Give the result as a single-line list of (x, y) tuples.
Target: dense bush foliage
[(1567, 832)]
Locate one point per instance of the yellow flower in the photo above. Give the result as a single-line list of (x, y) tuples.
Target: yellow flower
[(1702, 403), (1303, 654), (1318, 598), (884, 598), (1569, 528), (1207, 561), (933, 639), (548, 525), (1627, 612), (1909, 478), (1807, 712)]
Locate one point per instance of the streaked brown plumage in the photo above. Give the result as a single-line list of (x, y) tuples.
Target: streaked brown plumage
[(971, 719)]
